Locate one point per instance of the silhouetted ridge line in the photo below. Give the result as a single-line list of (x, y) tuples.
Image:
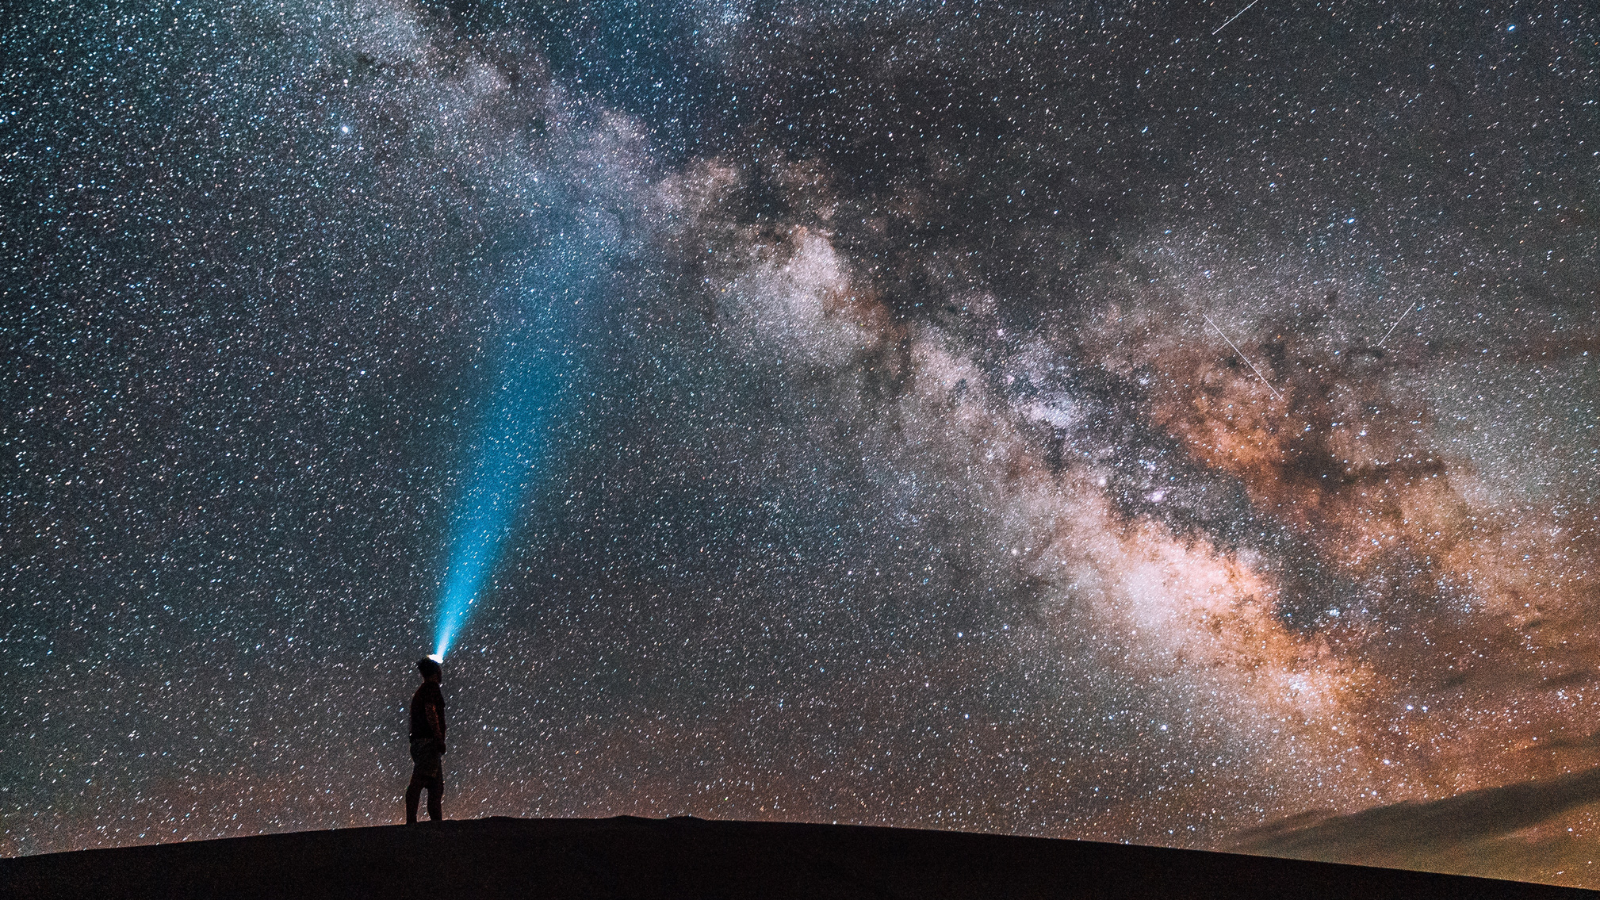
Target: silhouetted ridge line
[(693, 858)]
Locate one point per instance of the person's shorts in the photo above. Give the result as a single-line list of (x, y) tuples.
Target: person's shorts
[(425, 753)]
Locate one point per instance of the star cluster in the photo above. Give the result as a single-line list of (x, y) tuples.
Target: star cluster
[(1072, 420)]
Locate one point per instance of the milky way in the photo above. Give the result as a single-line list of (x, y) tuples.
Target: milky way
[(1054, 420)]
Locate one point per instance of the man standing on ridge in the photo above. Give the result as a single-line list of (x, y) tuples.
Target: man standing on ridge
[(427, 743)]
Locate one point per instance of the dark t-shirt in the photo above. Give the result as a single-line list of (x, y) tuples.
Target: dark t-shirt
[(427, 712)]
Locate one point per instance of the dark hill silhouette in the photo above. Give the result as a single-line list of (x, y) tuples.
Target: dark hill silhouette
[(692, 858)]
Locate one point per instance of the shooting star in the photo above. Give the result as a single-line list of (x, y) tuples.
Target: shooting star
[(1397, 323), (1243, 357), (1225, 25)]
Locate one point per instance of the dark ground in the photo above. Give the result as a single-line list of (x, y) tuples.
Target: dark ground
[(630, 857)]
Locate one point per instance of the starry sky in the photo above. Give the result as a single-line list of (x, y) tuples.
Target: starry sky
[(1088, 419)]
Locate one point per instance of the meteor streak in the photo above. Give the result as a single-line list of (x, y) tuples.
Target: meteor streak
[(1397, 322), (1230, 22), (1243, 357)]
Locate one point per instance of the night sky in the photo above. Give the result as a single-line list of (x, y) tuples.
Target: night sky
[(1065, 420)]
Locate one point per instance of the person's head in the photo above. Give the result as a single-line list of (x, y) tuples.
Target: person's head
[(431, 671)]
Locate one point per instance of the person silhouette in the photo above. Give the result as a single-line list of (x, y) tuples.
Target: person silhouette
[(427, 743)]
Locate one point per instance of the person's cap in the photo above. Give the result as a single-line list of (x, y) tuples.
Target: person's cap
[(428, 667)]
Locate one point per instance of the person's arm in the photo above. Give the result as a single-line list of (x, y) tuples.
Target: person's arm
[(436, 714)]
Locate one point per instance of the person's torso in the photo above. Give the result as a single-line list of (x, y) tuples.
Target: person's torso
[(422, 725)]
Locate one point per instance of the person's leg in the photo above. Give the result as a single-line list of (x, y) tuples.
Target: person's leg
[(413, 794), (436, 798)]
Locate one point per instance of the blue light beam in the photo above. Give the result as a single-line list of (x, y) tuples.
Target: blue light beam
[(537, 360), (510, 459)]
